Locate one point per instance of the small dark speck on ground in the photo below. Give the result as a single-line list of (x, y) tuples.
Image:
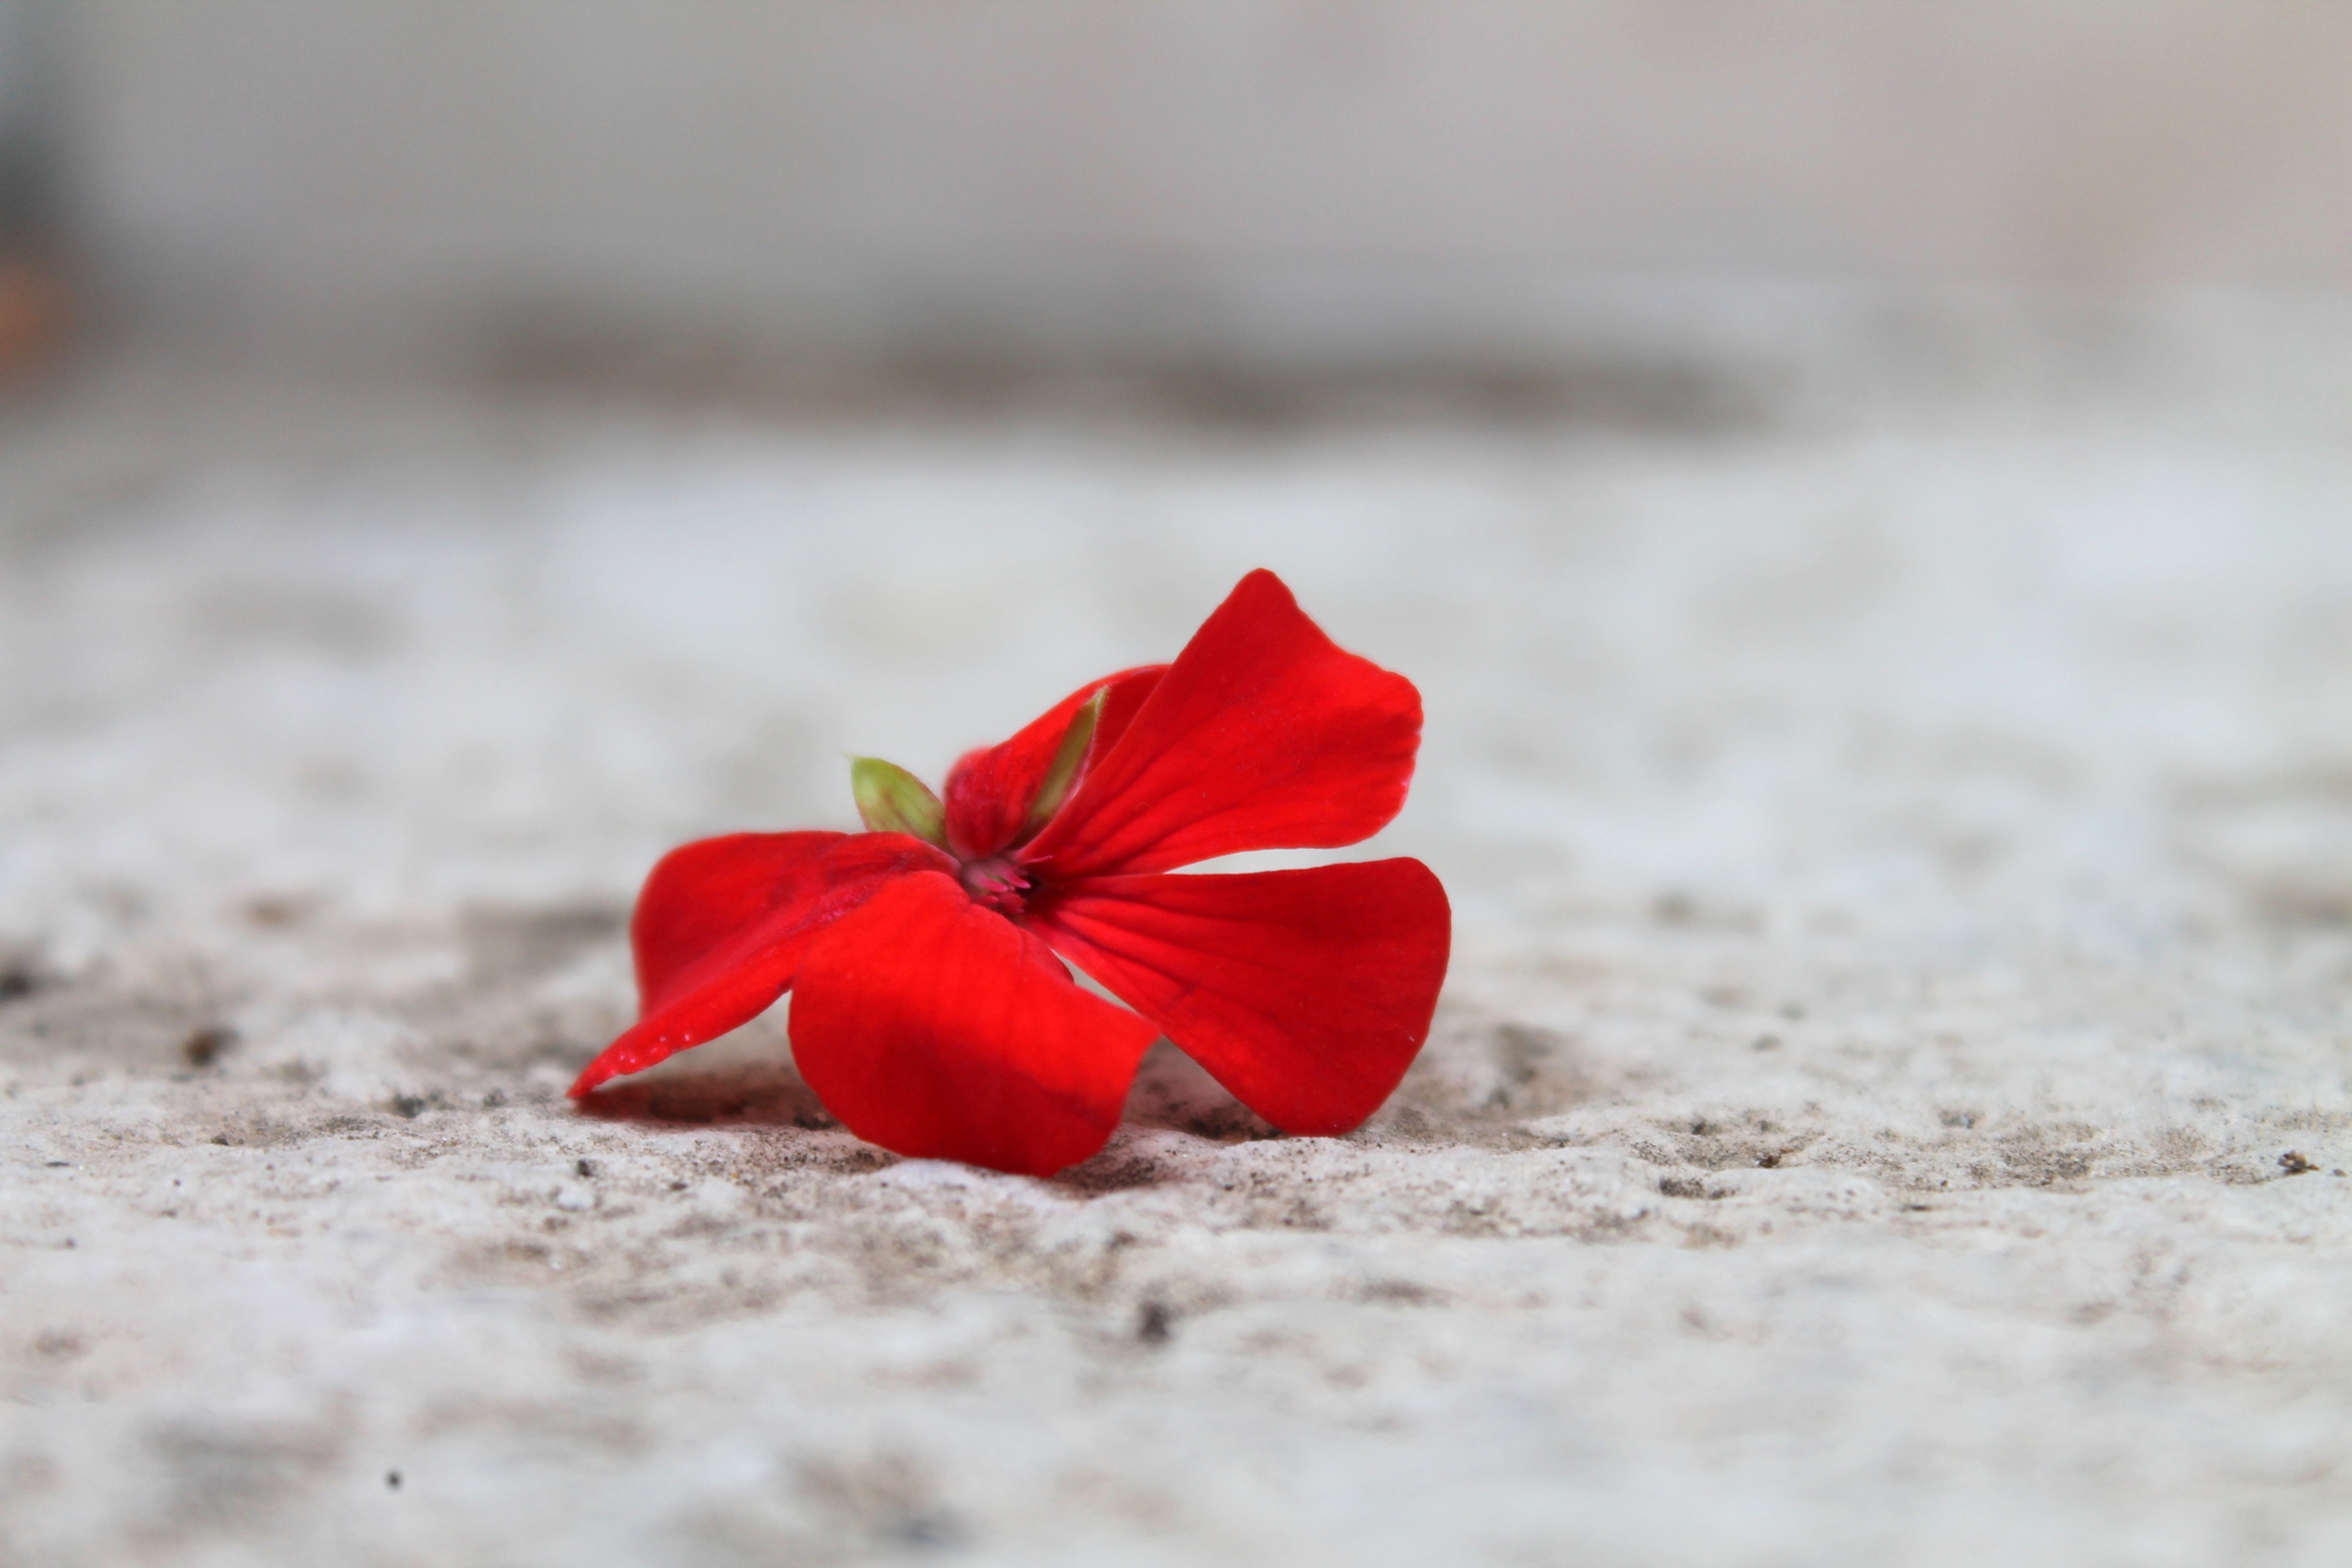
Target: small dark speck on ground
[(16, 981), (275, 912), (924, 1529), (585, 1167), (411, 1106), (1154, 1324), (392, 1480), (2294, 1164), (206, 1046)]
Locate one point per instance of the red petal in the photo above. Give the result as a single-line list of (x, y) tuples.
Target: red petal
[(989, 791), (1307, 993), (723, 924), (700, 894), (939, 1029), (1263, 735)]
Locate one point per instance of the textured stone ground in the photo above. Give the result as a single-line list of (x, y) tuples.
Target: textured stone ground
[(1889, 1105)]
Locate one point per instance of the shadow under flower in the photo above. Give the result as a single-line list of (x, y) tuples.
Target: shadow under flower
[(1175, 1093), (1170, 1094), (758, 1095)]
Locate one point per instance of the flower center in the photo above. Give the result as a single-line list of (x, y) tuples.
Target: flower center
[(996, 882)]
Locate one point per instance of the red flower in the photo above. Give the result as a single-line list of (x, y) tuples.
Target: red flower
[(934, 1017)]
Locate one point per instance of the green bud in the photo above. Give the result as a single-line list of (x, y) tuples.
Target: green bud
[(1067, 758), (892, 800)]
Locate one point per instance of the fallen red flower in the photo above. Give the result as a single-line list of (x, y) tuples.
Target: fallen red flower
[(933, 1015)]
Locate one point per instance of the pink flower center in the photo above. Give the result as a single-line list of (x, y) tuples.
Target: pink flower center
[(996, 882)]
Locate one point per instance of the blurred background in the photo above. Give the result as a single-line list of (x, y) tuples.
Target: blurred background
[(1626, 191), (735, 373)]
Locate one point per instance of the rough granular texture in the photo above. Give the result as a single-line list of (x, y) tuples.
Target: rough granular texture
[(1889, 1105)]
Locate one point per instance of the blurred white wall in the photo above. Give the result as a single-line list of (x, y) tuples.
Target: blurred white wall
[(1318, 178)]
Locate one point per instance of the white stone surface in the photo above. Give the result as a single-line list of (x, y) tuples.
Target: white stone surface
[(1904, 875)]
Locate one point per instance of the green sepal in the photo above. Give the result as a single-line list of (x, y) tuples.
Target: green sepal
[(892, 800), (1068, 758)]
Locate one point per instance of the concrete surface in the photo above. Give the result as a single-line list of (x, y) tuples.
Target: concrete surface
[(1889, 1105)]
